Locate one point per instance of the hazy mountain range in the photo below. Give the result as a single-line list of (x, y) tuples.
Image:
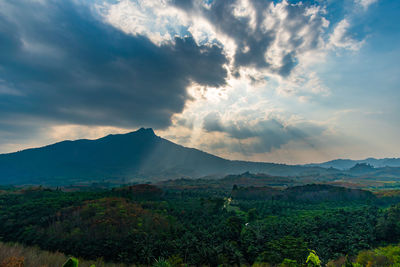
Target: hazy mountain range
[(133, 156), (343, 164)]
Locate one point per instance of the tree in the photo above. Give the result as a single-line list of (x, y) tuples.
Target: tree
[(289, 263), (234, 226), (313, 259), (161, 263), (286, 247), (252, 215), (388, 226), (71, 262)]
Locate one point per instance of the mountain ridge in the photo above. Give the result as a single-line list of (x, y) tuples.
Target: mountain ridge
[(139, 154), (345, 164), (142, 156)]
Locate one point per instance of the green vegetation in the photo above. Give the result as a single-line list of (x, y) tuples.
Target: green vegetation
[(382, 256), (16, 255), (71, 262), (143, 224), (313, 259)]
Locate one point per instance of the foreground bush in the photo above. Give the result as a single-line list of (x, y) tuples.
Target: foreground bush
[(15, 255), (388, 256)]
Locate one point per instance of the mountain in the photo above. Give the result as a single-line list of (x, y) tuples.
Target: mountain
[(126, 157), (345, 164)]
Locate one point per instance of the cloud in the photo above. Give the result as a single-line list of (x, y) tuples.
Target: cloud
[(61, 63), (263, 40), (212, 123), (208, 74), (154, 19), (259, 136), (267, 35), (365, 3), (304, 84), (340, 38)]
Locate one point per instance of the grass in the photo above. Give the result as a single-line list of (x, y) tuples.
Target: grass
[(16, 255)]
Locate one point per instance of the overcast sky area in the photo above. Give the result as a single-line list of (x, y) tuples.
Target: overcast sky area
[(276, 81)]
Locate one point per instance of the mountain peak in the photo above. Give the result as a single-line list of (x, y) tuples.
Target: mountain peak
[(143, 132), (148, 131)]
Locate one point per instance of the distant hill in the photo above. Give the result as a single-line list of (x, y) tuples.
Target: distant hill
[(126, 157), (345, 164), (308, 193), (245, 179)]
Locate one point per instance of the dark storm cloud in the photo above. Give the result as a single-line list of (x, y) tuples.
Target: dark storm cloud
[(60, 62), (10, 131), (212, 123), (253, 38), (21, 132), (264, 135)]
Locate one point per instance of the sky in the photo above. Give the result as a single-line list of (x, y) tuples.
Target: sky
[(277, 81)]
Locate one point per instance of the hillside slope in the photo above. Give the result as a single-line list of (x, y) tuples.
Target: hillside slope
[(139, 154)]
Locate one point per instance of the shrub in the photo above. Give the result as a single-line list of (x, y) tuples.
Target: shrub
[(13, 262), (71, 262), (313, 259)]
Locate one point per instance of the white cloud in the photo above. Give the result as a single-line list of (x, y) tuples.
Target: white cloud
[(304, 84), (297, 30), (244, 9), (340, 37), (365, 3), (156, 19)]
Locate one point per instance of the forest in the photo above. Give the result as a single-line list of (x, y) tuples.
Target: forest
[(144, 224)]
